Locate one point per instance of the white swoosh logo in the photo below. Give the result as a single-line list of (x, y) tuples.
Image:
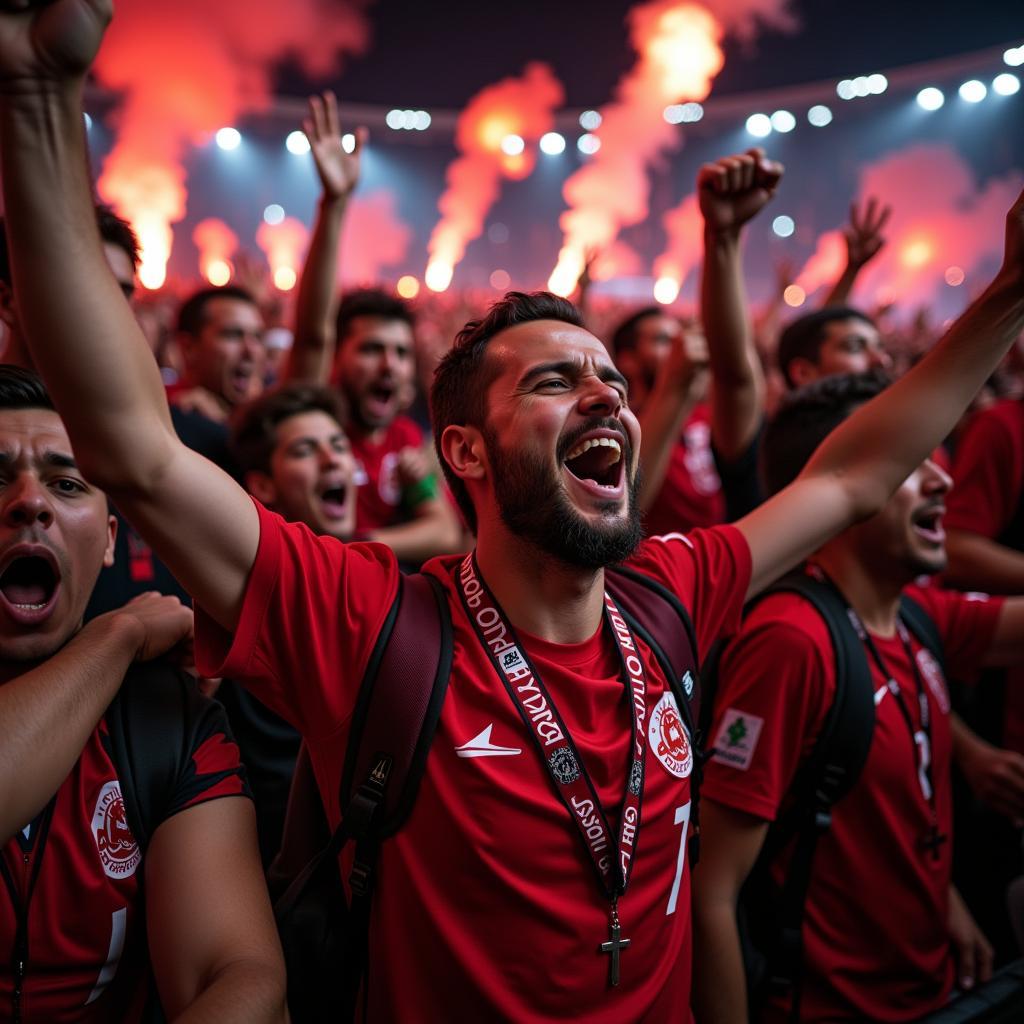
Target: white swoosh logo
[(481, 746)]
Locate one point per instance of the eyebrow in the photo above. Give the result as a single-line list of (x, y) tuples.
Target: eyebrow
[(570, 368), (58, 460)]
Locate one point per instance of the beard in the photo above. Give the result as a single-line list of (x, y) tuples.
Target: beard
[(534, 506)]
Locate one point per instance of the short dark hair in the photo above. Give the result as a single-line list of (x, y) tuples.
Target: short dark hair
[(112, 229), (22, 389), (117, 231), (624, 337), (806, 417), (803, 337), (192, 314), (254, 425), (371, 302), (459, 392)]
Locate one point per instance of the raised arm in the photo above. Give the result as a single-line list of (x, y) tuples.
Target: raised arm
[(82, 334), (317, 303), (731, 191), (861, 463), (682, 379), (864, 241), (47, 714)]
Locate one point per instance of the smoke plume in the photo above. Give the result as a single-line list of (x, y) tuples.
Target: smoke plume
[(375, 237), (678, 56), (216, 243), (514, 107), (684, 230), (941, 220), (285, 245), (189, 67)]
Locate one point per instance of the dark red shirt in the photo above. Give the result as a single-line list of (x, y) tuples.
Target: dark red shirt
[(876, 942), (380, 498), (77, 870), (487, 905)]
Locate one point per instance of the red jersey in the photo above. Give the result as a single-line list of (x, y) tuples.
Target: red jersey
[(73, 875), (988, 477), (883, 953), (379, 499), (487, 905), (691, 495)]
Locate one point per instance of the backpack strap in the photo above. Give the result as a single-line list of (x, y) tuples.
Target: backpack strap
[(656, 614), (146, 723), (393, 724), (825, 777)]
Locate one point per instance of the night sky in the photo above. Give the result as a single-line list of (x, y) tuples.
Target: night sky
[(438, 55)]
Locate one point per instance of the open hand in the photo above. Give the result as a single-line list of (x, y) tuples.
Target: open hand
[(972, 950), (734, 189), (49, 42), (864, 238), (338, 170)]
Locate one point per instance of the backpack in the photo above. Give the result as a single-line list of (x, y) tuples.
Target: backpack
[(770, 917), (325, 939)]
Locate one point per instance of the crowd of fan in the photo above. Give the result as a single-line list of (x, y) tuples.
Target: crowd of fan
[(321, 412)]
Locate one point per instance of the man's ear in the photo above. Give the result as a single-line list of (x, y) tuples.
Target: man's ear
[(108, 555), (464, 450), (8, 310), (261, 487), (801, 371)]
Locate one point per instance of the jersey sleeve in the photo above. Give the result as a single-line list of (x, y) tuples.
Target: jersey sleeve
[(708, 570), (312, 610), (967, 624), (212, 768), (987, 476), (776, 682)]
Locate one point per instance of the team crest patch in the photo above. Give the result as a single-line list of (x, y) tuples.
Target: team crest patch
[(118, 849), (512, 660), (737, 738), (667, 736), (563, 765), (933, 676)]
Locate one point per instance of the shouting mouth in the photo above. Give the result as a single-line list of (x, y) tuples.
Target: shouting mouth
[(379, 399), (334, 501), (927, 524), (29, 585), (596, 464)]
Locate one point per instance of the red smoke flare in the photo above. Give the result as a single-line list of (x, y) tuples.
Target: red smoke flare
[(678, 57), (521, 107), (940, 217), (375, 237), (216, 243), (187, 68), (684, 227), (285, 245)]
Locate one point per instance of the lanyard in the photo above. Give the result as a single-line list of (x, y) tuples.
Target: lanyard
[(612, 860), (920, 739)]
